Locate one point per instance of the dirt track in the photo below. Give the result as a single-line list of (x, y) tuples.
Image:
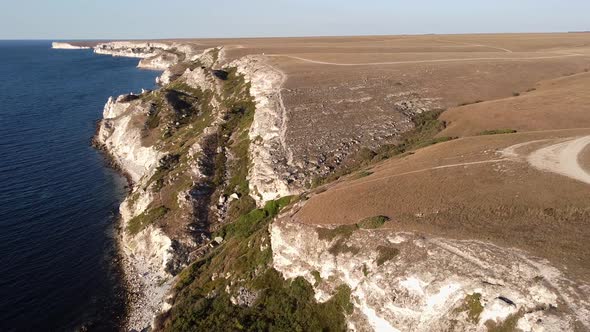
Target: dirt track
[(563, 158), (427, 61)]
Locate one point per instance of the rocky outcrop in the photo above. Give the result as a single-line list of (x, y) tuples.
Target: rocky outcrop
[(161, 61), (121, 135), (272, 174), (408, 282), (131, 49), (154, 56), (67, 46)]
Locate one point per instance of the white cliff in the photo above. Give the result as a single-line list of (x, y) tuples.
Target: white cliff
[(161, 61), (131, 49), (431, 284), (121, 136), (146, 253), (268, 149), (67, 46), (149, 254)]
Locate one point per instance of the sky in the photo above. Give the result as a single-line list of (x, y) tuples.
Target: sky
[(137, 19)]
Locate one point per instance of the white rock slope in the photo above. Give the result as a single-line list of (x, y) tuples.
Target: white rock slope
[(268, 149), (433, 284)]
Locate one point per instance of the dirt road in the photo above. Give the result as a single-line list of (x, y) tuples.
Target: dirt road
[(562, 158), (427, 61)]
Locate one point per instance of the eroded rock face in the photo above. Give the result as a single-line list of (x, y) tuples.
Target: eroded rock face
[(131, 49), (162, 61), (147, 253), (272, 174), (120, 134), (155, 253), (154, 56), (406, 282)]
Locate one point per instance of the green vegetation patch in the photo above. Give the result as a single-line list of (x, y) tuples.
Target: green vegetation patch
[(497, 132), (346, 231), (363, 174), (148, 217), (386, 254), (233, 134), (341, 247), (343, 231), (317, 277), (201, 302), (251, 222), (472, 305), (508, 325), (373, 222), (471, 102), (365, 270)]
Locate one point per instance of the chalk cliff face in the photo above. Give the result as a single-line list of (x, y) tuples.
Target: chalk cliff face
[(146, 253), (272, 174), (180, 191), (161, 61), (407, 282), (67, 46), (121, 136), (154, 56), (131, 49)]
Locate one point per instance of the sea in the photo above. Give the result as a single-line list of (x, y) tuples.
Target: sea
[(58, 196)]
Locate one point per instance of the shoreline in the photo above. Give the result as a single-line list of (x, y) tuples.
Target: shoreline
[(136, 294), (141, 297), (121, 263), (146, 281)]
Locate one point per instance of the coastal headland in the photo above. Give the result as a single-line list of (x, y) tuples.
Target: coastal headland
[(434, 182)]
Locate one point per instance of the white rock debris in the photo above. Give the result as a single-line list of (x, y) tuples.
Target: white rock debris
[(426, 285)]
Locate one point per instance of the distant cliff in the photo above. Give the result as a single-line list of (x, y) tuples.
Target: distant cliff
[(67, 46)]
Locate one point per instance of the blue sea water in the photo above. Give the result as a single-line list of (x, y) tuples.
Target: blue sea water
[(58, 197)]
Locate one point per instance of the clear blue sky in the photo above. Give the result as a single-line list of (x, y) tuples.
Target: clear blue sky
[(119, 19)]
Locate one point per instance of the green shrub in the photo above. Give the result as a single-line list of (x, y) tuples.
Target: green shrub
[(342, 231), (249, 223), (138, 223), (386, 254), (373, 222), (316, 276), (341, 247), (363, 174), (508, 325), (497, 132), (202, 303), (471, 103), (472, 305)]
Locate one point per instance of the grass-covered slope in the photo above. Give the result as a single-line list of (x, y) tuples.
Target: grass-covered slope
[(235, 287)]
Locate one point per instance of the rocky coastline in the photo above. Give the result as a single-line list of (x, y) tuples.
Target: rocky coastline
[(211, 219), (152, 256)]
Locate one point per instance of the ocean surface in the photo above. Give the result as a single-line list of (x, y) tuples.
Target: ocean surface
[(58, 197)]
